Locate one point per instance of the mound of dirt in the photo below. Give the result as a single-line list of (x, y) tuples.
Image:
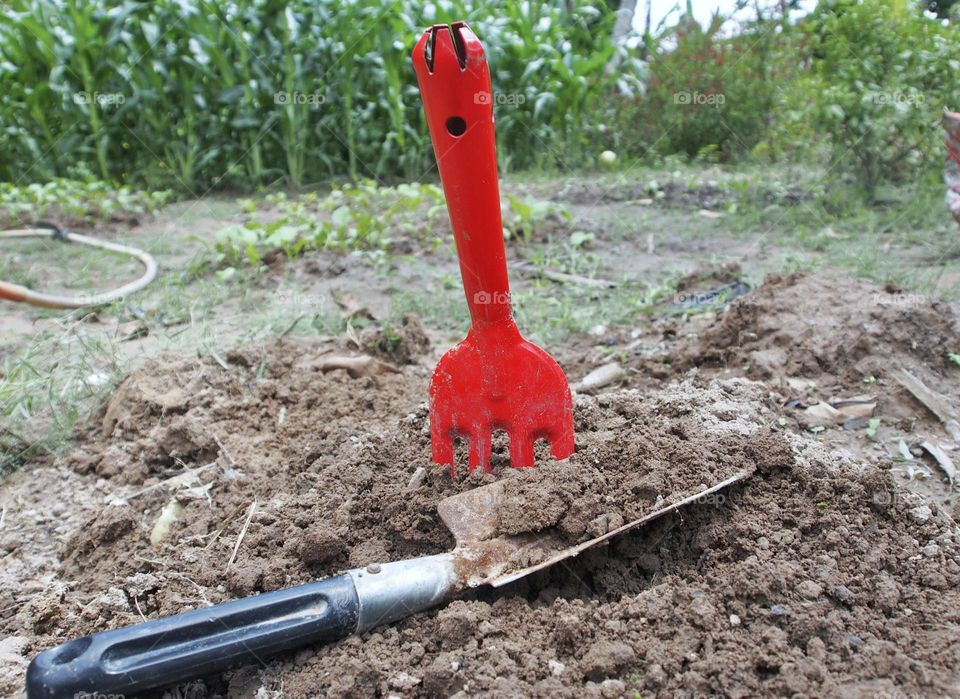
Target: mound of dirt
[(815, 576), (814, 325), (402, 342), (637, 456), (272, 409)]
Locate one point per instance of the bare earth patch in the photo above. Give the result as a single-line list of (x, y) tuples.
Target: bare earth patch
[(817, 576)]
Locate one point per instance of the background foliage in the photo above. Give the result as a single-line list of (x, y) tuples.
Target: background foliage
[(194, 95)]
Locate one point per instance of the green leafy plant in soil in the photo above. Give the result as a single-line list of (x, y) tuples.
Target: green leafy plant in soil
[(366, 217), (355, 217), (64, 201), (709, 96)]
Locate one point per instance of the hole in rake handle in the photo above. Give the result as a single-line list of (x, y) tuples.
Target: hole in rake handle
[(456, 126)]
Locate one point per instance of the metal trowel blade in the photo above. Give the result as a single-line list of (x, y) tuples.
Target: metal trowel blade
[(483, 558)]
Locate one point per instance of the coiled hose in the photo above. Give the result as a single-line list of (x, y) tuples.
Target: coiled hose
[(15, 292)]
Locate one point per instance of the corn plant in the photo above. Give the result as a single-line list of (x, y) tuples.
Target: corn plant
[(193, 94)]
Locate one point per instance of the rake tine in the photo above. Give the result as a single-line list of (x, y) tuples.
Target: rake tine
[(480, 441), (521, 447)]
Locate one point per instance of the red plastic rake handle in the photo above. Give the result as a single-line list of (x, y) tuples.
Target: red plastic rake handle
[(455, 86)]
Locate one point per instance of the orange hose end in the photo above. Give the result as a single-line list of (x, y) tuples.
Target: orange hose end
[(12, 292)]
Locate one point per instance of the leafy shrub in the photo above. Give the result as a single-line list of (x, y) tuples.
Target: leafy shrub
[(709, 96), (881, 75)]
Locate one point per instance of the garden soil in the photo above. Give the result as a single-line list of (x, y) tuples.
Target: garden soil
[(816, 576)]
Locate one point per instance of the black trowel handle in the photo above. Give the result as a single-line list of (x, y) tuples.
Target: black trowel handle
[(206, 641), (196, 643)]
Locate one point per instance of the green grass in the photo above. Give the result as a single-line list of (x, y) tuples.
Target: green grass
[(907, 237), (547, 313), (48, 385)]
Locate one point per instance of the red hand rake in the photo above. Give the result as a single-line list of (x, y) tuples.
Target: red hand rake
[(494, 379)]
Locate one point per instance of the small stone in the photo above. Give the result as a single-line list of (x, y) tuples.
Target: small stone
[(808, 589), (854, 640), (612, 688), (374, 568), (763, 543), (843, 594), (780, 610), (606, 658), (702, 610), (114, 600), (403, 680), (416, 480), (556, 667), (734, 620), (931, 550), (921, 514)]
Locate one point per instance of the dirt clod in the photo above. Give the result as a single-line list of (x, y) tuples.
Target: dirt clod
[(606, 658)]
